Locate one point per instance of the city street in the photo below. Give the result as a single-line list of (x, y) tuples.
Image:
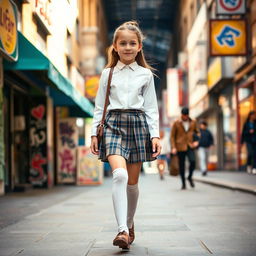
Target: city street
[(79, 221)]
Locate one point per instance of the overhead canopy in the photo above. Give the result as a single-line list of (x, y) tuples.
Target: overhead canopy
[(156, 19), (30, 58)]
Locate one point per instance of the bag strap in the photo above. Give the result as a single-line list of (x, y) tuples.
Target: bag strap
[(107, 96)]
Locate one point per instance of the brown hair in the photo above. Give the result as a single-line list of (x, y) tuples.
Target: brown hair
[(113, 56)]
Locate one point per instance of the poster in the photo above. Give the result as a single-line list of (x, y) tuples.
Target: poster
[(89, 168), (67, 137)]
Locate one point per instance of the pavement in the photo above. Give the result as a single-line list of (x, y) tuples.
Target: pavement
[(235, 180), (79, 221)]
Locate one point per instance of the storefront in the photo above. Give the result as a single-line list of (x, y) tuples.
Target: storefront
[(33, 88), (246, 100), (223, 100)]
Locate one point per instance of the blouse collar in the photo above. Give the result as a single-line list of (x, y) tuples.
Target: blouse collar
[(132, 66)]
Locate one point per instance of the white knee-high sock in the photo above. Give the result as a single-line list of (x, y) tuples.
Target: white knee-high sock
[(119, 196), (132, 197)]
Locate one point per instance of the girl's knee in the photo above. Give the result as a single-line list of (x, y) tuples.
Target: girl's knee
[(132, 181), (120, 175)]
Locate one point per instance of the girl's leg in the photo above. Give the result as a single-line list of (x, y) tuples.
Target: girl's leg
[(119, 193), (132, 190)]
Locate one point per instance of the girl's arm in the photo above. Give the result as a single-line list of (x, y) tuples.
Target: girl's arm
[(151, 107), (99, 101)]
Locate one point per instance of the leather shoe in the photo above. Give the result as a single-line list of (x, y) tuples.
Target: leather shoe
[(191, 182), (122, 240), (183, 187), (131, 234)]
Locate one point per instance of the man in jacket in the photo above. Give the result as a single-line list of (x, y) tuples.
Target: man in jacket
[(183, 134), (206, 140)]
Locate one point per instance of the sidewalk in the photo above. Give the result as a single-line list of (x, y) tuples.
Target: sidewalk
[(79, 221), (235, 180)]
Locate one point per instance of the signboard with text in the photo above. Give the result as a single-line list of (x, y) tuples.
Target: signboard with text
[(230, 7), (8, 30), (228, 37)]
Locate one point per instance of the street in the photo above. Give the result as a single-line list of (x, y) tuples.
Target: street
[(169, 222)]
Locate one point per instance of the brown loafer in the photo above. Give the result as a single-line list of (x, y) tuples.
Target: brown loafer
[(122, 240), (131, 234)]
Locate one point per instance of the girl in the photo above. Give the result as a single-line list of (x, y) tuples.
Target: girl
[(131, 133)]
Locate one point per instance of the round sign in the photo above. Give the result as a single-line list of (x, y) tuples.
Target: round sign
[(231, 5), (8, 27)]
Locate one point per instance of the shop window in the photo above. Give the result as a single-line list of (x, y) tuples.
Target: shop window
[(69, 65), (77, 30), (253, 36), (69, 45)]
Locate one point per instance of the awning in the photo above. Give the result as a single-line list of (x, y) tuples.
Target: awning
[(30, 58)]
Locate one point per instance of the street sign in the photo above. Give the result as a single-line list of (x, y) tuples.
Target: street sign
[(230, 7), (228, 37)]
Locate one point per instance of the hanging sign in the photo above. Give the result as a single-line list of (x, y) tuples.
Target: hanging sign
[(230, 7), (8, 30), (228, 37)]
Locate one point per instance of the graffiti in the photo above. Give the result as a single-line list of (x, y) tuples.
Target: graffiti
[(38, 112), (37, 175), (66, 129), (37, 137), (68, 141), (38, 144), (67, 161)]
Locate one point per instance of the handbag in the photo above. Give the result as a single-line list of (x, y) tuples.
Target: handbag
[(174, 168), (100, 127)]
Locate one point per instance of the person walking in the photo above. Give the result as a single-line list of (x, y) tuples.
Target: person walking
[(205, 142), (131, 128), (249, 138), (162, 158), (183, 144)]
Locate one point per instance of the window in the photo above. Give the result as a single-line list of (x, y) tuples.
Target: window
[(41, 40), (77, 30)]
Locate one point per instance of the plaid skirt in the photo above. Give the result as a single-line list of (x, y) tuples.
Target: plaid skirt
[(126, 133)]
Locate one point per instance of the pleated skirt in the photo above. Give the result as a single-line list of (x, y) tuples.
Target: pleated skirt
[(126, 133)]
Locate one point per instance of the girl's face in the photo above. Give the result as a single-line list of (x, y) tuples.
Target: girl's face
[(127, 46)]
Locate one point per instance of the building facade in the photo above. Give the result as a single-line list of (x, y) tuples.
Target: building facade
[(221, 89), (44, 85)]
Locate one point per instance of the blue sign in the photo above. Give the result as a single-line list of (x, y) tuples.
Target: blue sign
[(231, 2), (227, 36)]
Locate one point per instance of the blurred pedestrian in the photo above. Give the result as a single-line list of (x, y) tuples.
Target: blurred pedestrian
[(249, 138), (131, 133), (162, 158), (183, 143), (205, 142)]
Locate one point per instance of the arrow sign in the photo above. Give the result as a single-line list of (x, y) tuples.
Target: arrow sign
[(227, 36)]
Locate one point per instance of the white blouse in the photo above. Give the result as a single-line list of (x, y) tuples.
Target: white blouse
[(132, 87)]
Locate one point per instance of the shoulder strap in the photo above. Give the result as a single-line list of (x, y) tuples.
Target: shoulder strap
[(107, 96)]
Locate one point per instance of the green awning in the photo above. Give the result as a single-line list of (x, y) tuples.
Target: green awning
[(30, 58)]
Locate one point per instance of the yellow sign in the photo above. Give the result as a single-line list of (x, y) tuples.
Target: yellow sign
[(8, 29), (228, 37), (91, 86), (214, 73)]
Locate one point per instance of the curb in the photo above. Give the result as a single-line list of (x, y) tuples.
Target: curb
[(227, 184)]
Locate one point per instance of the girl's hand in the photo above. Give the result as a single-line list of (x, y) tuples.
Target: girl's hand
[(156, 147), (94, 145)]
